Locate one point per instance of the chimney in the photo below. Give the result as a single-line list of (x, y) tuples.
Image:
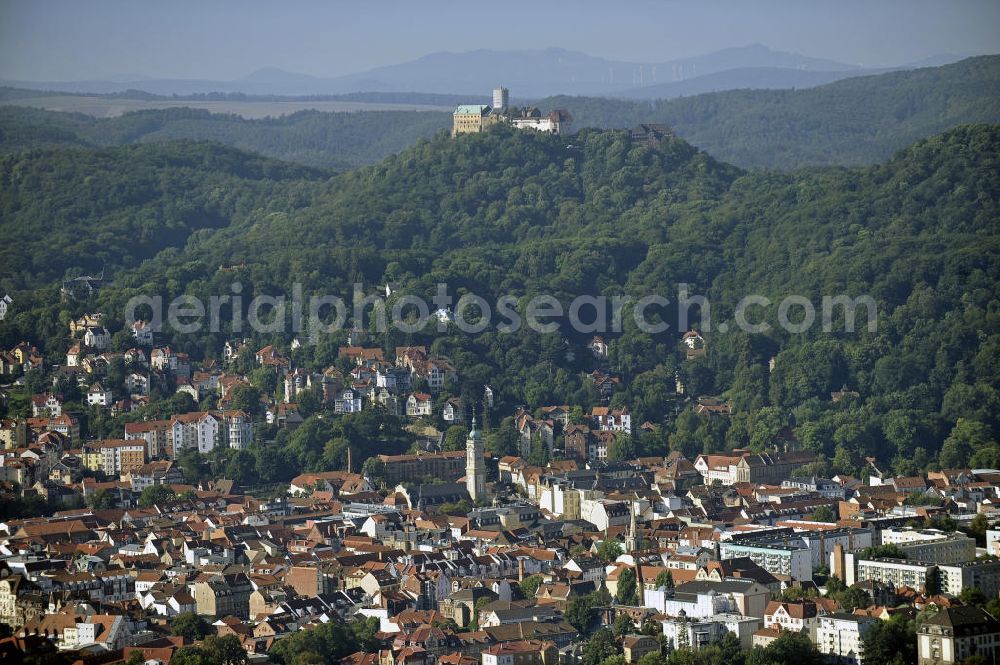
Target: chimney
[(520, 569)]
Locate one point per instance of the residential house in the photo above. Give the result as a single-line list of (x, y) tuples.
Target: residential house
[(418, 405), (98, 395), (97, 337), (453, 411)]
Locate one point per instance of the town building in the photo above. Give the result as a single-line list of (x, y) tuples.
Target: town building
[(955, 634)]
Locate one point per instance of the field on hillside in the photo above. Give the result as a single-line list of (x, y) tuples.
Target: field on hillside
[(100, 107)]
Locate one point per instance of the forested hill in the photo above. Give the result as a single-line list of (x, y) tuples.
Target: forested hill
[(519, 213), (72, 210), (851, 122), (337, 141)]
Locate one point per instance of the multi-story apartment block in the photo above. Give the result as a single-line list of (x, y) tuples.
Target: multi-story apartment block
[(237, 429), (840, 636), (983, 575), (156, 434), (898, 572), (931, 545), (793, 559), (120, 456), (198, 430)]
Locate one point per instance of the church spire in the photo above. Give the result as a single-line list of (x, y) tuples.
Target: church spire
[(632, 537)]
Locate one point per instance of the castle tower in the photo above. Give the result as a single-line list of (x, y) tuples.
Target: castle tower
[(475, 468), (501, 99)]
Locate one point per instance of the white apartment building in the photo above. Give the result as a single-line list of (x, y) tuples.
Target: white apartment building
[(794, 559), (698, 633), (931, 545), (839, 637), (983, 575), (238, 429), (199, 430), (898, 572), (822, 543)]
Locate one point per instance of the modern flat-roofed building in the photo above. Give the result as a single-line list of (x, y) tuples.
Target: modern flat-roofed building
[(983, 575), (931, 545), (839, 637), (898, 572), (792, 560)]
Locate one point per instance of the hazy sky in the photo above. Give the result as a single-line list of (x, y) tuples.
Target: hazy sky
[(224, 39)]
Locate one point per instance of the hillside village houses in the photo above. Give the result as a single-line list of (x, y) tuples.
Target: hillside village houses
[(438, 545)]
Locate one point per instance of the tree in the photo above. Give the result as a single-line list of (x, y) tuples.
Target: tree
[(504, 440), (853, 598), (194, 656), (891, 642), (965, 438), (609, 550), (623, 625), (627, 592), (977, 528), (226, 650), (789, 647), (103, 499), (972, 596), (241, 468), (539, 453), (622, 448), (454, 438), (191, 626), (331, 640), (834, 585), (529, 585), (580, 612), (364, 630), (135, 658), (887, 551), (374, 470), (156, 494), (665, 579), (824, 514), (601, 645)]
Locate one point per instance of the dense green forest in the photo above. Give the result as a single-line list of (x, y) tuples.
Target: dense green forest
[(337, 141), (520, 213), (850, 122), (77, 210)]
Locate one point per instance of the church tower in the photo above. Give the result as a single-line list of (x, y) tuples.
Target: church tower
[(475, 468), (632, 541)]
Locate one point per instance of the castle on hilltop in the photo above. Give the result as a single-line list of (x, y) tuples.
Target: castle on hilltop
[(474, 118)]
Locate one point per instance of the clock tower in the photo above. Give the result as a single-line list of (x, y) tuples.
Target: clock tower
[(475, 468)]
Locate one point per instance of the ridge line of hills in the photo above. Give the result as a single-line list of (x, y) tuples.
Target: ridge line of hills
[(850, 122), (534, 72)]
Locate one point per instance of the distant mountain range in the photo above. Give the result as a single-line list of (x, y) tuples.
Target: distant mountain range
[(527, 73)]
